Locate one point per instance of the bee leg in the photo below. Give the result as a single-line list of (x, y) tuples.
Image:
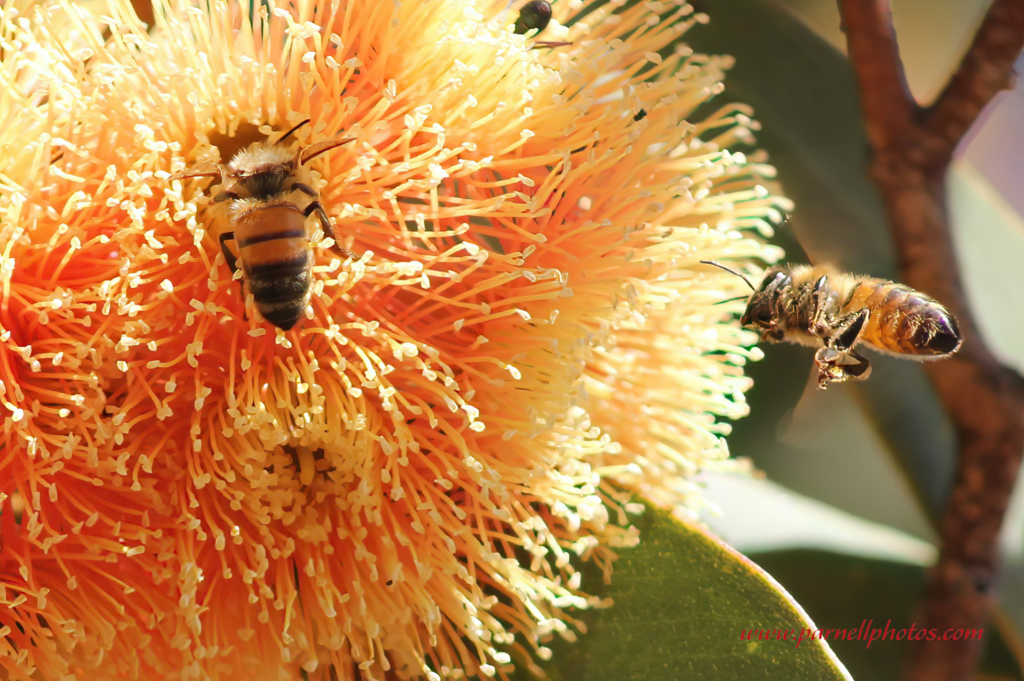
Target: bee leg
[(224, 196), (860, 370), (835, 366), (819, 324), (305, 189), (829, 368), (232, 262), (832, 360), (229, 257), (849, 332), (325, 224)]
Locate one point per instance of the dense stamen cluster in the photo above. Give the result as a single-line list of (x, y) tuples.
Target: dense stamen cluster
[(404, 480)]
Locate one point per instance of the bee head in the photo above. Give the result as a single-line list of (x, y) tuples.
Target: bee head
[(261, 159), (764, 309)]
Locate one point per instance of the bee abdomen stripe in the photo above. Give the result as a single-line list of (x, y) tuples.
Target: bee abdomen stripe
[(272, 236), (915, 307), (853, 292), (283, 315), (895, 293), (281, 268), (279, 288)]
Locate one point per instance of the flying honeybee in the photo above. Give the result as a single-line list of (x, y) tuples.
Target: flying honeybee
[(267, 225), (834, 311)]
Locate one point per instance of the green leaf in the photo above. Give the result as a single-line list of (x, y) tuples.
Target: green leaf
[(682, 599), (844, 591), (989, 236), (786, 520)]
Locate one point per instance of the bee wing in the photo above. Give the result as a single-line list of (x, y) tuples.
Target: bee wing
[(314, 150), (207, 169), (827, 240)]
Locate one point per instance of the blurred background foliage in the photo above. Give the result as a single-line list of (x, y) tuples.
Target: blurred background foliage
[(855, 477)]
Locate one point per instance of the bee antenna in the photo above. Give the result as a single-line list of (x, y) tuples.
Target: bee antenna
[(723, 267), (321, 147), (285, 136)]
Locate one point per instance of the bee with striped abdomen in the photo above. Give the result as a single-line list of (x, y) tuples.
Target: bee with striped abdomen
[(833, 311), (268, 226)]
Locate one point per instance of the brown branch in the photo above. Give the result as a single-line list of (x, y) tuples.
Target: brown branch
[(985, 401), (986, 69), (889, 109)]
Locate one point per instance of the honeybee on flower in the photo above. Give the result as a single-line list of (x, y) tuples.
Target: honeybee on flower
[(268, 228), (399, 482)]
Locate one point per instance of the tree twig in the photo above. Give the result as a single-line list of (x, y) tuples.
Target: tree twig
[(889, 110), (911, 151), (986, 69)]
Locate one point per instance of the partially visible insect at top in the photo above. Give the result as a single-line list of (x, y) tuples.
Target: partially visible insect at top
[(267, 224), (536, 14), (834, 311)]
